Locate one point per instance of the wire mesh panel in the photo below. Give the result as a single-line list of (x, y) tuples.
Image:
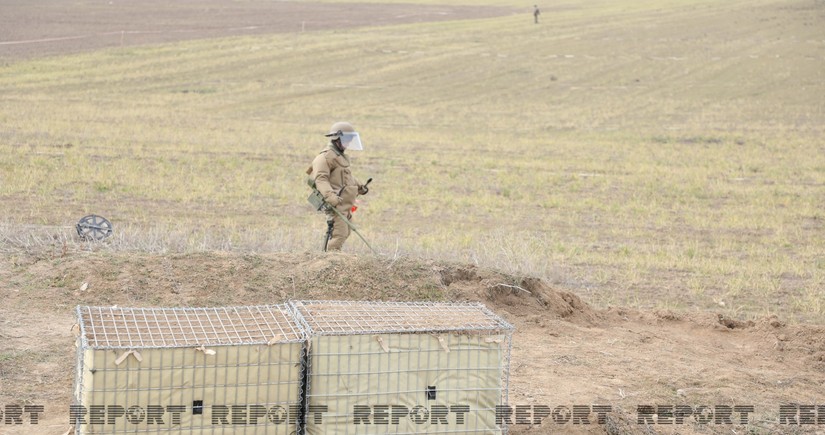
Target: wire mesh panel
[(404, 368), (235, 370)]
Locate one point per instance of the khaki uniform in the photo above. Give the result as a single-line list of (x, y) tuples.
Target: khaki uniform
[(333, 178)]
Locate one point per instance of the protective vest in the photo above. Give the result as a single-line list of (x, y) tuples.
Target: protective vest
[(332, 176)]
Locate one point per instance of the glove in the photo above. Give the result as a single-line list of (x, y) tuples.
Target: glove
[(333, 200), (363, 190)]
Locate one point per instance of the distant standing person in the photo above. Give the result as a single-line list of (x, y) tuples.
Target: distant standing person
[(536, 13)]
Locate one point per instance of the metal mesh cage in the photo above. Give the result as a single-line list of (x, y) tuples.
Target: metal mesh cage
[(124, 328), (331, 367), (370, 317), (404, 367), (229, 370)]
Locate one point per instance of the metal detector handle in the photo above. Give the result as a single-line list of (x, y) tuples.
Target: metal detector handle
[(364, 187)]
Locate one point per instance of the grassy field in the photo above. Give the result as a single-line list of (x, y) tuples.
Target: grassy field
[(647, 154)]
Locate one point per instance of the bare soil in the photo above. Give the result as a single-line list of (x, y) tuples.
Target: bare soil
[(565, 353), (54, 27)]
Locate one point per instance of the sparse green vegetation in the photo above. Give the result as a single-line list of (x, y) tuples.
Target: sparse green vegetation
[(640, 153)]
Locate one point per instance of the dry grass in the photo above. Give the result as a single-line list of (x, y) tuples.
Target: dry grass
[(640, 155)]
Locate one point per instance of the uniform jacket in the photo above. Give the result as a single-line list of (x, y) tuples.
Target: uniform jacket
[(333, 178)]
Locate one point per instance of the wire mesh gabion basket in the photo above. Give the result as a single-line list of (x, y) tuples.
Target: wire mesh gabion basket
[(405, 367), (314, 367), (188, 370)]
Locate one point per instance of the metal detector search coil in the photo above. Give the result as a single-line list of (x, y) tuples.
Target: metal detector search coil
[(94, 228)]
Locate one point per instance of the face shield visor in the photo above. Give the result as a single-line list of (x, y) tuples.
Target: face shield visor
[(351, 141)]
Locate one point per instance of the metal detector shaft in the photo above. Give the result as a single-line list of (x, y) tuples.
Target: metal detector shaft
[(352, 227)]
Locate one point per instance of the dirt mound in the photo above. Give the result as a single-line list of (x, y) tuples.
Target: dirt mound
[(565, 352), (230, 279), (526, 296)]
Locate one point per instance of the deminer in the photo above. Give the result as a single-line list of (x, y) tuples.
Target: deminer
[(331, 176)]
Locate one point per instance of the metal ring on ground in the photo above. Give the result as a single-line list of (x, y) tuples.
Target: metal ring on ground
[(94, 228)]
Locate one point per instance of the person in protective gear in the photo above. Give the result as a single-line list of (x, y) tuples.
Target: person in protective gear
[(333, 178)]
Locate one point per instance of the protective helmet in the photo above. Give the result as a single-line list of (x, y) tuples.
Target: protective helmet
[(350, 139), (340, 127)]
